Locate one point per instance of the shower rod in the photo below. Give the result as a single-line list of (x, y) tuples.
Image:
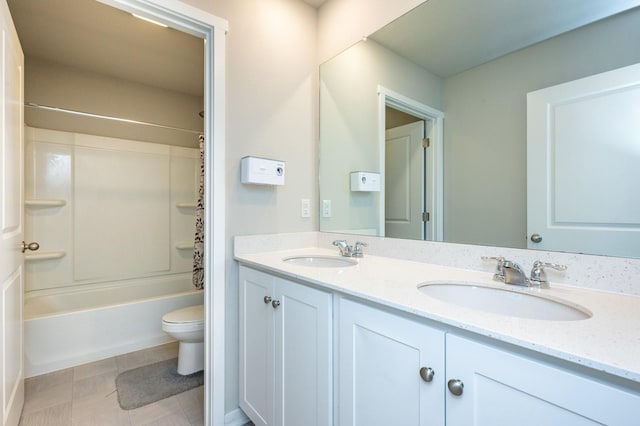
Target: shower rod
[(107, 117)]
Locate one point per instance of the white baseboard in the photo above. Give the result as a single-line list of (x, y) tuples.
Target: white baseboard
[(236, 418)]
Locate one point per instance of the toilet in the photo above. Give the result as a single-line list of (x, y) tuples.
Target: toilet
[(187, 326)]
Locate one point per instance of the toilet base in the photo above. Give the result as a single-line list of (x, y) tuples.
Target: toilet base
[(190, 358)]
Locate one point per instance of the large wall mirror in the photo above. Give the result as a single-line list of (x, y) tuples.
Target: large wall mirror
[(434, 109)]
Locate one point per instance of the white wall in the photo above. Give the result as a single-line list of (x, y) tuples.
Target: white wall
[(485, 126), (52, 84), (271, 109)]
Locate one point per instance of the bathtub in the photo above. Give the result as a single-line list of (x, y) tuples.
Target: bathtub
[(67, 329)]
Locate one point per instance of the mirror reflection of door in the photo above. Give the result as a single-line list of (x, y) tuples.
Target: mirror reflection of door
[(405, 176), (583, 151)]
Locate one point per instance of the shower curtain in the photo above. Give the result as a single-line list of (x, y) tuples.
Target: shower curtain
[(198, 246)]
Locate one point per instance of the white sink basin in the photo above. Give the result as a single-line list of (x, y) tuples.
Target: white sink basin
[(503, 301), (321, 261)]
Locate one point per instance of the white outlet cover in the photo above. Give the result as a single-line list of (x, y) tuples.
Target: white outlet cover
[(326, 208), (305, 207)]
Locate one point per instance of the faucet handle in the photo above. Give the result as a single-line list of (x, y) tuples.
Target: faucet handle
[(499, 259), (539, 276), (499, 274), (357, 249)]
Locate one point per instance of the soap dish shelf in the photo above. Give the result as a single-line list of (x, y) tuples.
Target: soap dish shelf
[(186, 205), (44, 203), (46, 255)]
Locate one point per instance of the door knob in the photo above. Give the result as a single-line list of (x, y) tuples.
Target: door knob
[(455, 386), (275, 304), (30, 246), (267, 300), (536, 238), (427, 374)]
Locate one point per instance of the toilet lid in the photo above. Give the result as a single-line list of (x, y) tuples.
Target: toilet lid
[(186, 315)]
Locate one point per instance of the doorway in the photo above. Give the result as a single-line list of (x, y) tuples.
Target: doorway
[(411, 163), (406, 176), (212, 30)]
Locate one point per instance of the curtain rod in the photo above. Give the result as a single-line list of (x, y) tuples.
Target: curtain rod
[(107, 117)]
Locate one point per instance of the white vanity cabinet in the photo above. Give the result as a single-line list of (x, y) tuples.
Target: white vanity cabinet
[(285, 351), (501, 388), (381, 360), (390, 369)]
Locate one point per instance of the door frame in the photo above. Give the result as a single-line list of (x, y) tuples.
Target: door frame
[(212, 29), (434, 157)]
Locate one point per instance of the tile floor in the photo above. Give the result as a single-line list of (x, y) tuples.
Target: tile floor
[(86, 395)]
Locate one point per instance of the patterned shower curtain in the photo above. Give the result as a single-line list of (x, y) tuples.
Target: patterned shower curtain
[(198, 246)]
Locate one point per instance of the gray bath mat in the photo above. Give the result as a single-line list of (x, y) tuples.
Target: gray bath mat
[(151, 383)]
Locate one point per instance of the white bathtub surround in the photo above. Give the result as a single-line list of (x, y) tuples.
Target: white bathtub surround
[(607, 342), (75, 327), (125, 209)]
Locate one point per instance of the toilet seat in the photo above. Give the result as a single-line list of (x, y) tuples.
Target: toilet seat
[(184, 320), (189, 315)]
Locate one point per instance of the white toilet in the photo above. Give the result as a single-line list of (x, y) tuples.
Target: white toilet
[(187, 326)]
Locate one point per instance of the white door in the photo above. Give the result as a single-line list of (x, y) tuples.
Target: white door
[(391, 369), (583, 152), (404, 182), (499, 388), (11, 226)]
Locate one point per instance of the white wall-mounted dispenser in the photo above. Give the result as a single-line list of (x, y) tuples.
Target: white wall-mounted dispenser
[(261, 171), (365, 181)]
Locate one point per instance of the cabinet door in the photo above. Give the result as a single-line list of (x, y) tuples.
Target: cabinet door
[(256, 346), (380, 358), (505, 389), (303, 355)]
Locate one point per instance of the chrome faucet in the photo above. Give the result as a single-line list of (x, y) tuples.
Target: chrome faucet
[(510, 272), (513, 274), (345, 249), (350, 251)]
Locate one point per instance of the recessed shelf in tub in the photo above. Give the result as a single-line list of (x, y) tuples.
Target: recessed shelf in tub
[(45, 203), (45, 255), (184, 246)]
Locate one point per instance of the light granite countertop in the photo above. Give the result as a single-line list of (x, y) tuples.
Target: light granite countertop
[(608, 341)]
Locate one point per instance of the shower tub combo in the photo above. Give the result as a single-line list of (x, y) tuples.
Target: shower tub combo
[(115, 220)]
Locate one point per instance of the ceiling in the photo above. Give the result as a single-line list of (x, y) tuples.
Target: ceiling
[(315, 3), (448, 37), (91, 36), (94, 37)]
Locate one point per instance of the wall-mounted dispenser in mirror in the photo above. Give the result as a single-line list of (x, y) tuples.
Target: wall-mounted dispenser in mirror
[(365, 181), (475, 63)]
